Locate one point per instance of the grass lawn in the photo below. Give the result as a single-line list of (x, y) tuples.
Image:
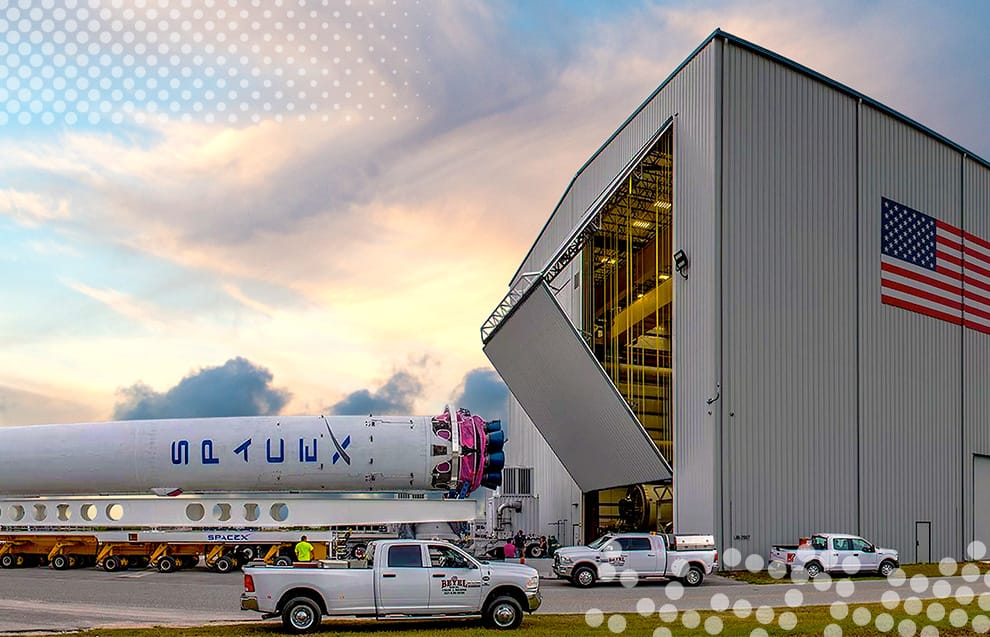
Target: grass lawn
[(949, 617), (930, 570)]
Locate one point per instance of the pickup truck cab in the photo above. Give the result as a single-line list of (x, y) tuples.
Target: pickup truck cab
[(835, 552), (688, 558), (399, 578)]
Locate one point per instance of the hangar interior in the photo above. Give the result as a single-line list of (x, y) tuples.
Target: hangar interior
[(627, 311)]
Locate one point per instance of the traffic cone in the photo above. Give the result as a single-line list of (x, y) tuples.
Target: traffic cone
[(522, 559)]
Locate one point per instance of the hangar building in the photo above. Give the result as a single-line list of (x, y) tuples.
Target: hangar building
[(770, 295)]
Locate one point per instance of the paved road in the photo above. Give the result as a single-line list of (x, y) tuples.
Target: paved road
[(41, 599)]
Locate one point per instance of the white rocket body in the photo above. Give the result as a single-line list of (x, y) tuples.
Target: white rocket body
[(297, 453)]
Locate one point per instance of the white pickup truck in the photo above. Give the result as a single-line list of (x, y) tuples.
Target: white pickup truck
[(828, 552), (399, 579), (684, 557)]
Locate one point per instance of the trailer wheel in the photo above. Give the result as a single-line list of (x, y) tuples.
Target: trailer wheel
[(282, 560), (7, 561), (503, 613), (694, 576), (167, 564), (534, 551), (301, 615), (112, 564), (248, 553), (60, 562), (584, 577), (359, 551), (224, 564)]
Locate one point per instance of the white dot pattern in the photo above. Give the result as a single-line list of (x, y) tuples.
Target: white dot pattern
[(229, 61)]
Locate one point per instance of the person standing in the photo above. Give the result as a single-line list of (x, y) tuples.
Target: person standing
[(520, 542), (304, 550)]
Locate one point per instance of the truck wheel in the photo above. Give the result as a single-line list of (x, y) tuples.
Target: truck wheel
[(694, 576), (7, 561), (60, 562), (166, 564), (886, 568), (282, 560), (112, 564), (584, 577), (534, 551), (503, 613), (301, 615), (359, 551), (224, 564), (814, 569)]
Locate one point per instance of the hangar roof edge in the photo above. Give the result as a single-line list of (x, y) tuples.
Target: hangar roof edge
[(776, 57)]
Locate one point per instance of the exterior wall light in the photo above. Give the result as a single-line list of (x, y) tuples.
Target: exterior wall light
[(681, 263)]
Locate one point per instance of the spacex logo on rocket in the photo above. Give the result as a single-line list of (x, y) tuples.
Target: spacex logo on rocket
[(273, 455)]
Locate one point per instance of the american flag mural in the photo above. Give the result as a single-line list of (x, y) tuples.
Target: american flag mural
[(934, 268)]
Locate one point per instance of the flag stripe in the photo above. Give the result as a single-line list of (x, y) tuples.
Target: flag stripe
[(977, 312), (945, 256), (941, 225), (976, 326), (977, 269), (922, 277), (978, 298), (921, 309), (983, 243), (943, 240), (974, 251), (952, 304)]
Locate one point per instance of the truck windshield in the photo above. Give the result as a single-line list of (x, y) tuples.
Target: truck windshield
[(600, 542)]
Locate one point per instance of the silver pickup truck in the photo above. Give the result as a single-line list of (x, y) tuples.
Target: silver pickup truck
[(399, 579), (834, 552), (687, 558)]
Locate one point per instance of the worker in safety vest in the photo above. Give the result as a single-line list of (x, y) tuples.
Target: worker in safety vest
[(304, 550)]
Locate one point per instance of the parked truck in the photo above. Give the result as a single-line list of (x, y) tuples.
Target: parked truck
[(688, 558), (834, 552), (399, 578)]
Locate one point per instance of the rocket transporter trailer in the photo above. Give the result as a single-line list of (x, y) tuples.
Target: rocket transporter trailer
[(231, 489)]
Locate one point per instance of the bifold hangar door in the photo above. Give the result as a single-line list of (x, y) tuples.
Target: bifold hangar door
[(566, 393)]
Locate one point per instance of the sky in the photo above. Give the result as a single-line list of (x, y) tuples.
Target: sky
[(241, 207)]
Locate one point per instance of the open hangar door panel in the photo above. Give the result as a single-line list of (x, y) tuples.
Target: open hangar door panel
[(566, 393)]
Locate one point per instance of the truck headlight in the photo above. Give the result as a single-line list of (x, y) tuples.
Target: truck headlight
[(533, 583), (565, 560)]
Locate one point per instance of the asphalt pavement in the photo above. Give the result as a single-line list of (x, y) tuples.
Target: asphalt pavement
[(42, 599)]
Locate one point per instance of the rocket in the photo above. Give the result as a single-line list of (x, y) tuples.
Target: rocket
[(455, 452)]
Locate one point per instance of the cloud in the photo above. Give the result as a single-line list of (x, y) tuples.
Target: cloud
[(396, 396), (237, 388), (31, 209), (484, 393)]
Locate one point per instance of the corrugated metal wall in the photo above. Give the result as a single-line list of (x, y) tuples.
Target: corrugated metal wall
[(975, 360), (910, 365), (789, 286)]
